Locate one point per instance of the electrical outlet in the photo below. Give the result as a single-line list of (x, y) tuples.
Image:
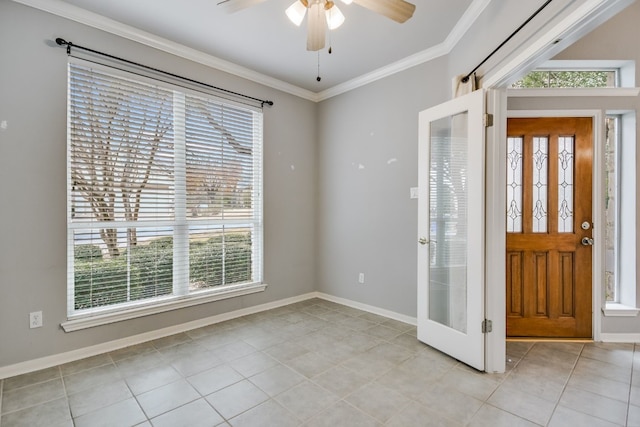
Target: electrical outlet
[(361, 278), (35, 319)]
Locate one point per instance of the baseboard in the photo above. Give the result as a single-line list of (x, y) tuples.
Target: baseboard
[(73, 355), (620, 337), (371, 309)]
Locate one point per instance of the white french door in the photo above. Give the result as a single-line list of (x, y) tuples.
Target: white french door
[(451, 226)]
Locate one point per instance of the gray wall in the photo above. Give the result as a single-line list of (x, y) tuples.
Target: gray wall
[(33, 186), (367, 222), (612, 40), (367, 153), (342, 209)]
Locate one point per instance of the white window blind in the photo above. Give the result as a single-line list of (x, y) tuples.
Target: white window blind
[(165, 192)]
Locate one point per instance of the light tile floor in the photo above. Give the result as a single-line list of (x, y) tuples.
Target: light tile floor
[(317, 363)]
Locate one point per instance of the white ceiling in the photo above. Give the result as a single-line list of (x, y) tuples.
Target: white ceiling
[(262, 39)]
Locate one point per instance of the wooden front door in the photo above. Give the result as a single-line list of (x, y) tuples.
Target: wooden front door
[(548, 263)]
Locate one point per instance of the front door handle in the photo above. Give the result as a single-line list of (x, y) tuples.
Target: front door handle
[(587, 241)]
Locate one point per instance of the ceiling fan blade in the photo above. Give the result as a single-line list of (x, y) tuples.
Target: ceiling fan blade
[(231, 6), (316, 27), (397, 10)]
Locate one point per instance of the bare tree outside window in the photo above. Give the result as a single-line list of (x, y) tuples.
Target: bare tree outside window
[(119, 140), (161, 187), (567, 79)]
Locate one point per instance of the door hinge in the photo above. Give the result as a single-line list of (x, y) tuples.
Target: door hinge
[(487, 326), (487, 120)]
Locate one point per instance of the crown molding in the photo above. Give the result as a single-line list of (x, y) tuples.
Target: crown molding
[(85, 17), (462, 26), (388, 70), (466, 21), (82, 16)]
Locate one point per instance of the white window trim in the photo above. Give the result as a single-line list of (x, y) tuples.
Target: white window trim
[(626, 69), (157, 306), (614, 309), (112, 314), (577, 92), (626, 306)]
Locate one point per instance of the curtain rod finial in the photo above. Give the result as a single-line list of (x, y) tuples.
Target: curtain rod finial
[(60, 41)]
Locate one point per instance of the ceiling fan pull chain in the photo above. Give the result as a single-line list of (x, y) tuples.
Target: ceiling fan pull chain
[(318, 78)]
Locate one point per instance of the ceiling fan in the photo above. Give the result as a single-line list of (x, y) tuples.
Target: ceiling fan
[(322, 14)]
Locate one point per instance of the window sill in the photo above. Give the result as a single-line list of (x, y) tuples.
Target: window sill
[(619, 310), (90, 321)]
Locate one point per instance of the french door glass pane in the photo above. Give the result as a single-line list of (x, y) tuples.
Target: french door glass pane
[(448, 221)]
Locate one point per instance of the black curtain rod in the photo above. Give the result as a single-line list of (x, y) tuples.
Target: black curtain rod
[(466, 78), (63, 42)]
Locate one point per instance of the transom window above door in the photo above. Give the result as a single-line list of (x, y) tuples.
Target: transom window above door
[(560, 74)]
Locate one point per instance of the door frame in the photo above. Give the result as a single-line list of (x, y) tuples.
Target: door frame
[(551, 37), (495, 273), (597, 195)]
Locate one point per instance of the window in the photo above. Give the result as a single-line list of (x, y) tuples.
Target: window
[(568, 79), (620, 208), (559, 74), (611, 207), (164, 193)]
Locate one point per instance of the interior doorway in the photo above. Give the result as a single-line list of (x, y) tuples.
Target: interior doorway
[(549, 227)]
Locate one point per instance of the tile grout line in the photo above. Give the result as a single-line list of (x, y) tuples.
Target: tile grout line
[(387, 340), (135, 398), (509, 374), (564, 387), (626, 420), (33, 405), (64, 392)]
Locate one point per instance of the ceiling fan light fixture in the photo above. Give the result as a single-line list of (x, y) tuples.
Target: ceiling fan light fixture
[(347, 1), (296, 12), (316, 26), (335, 18)]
